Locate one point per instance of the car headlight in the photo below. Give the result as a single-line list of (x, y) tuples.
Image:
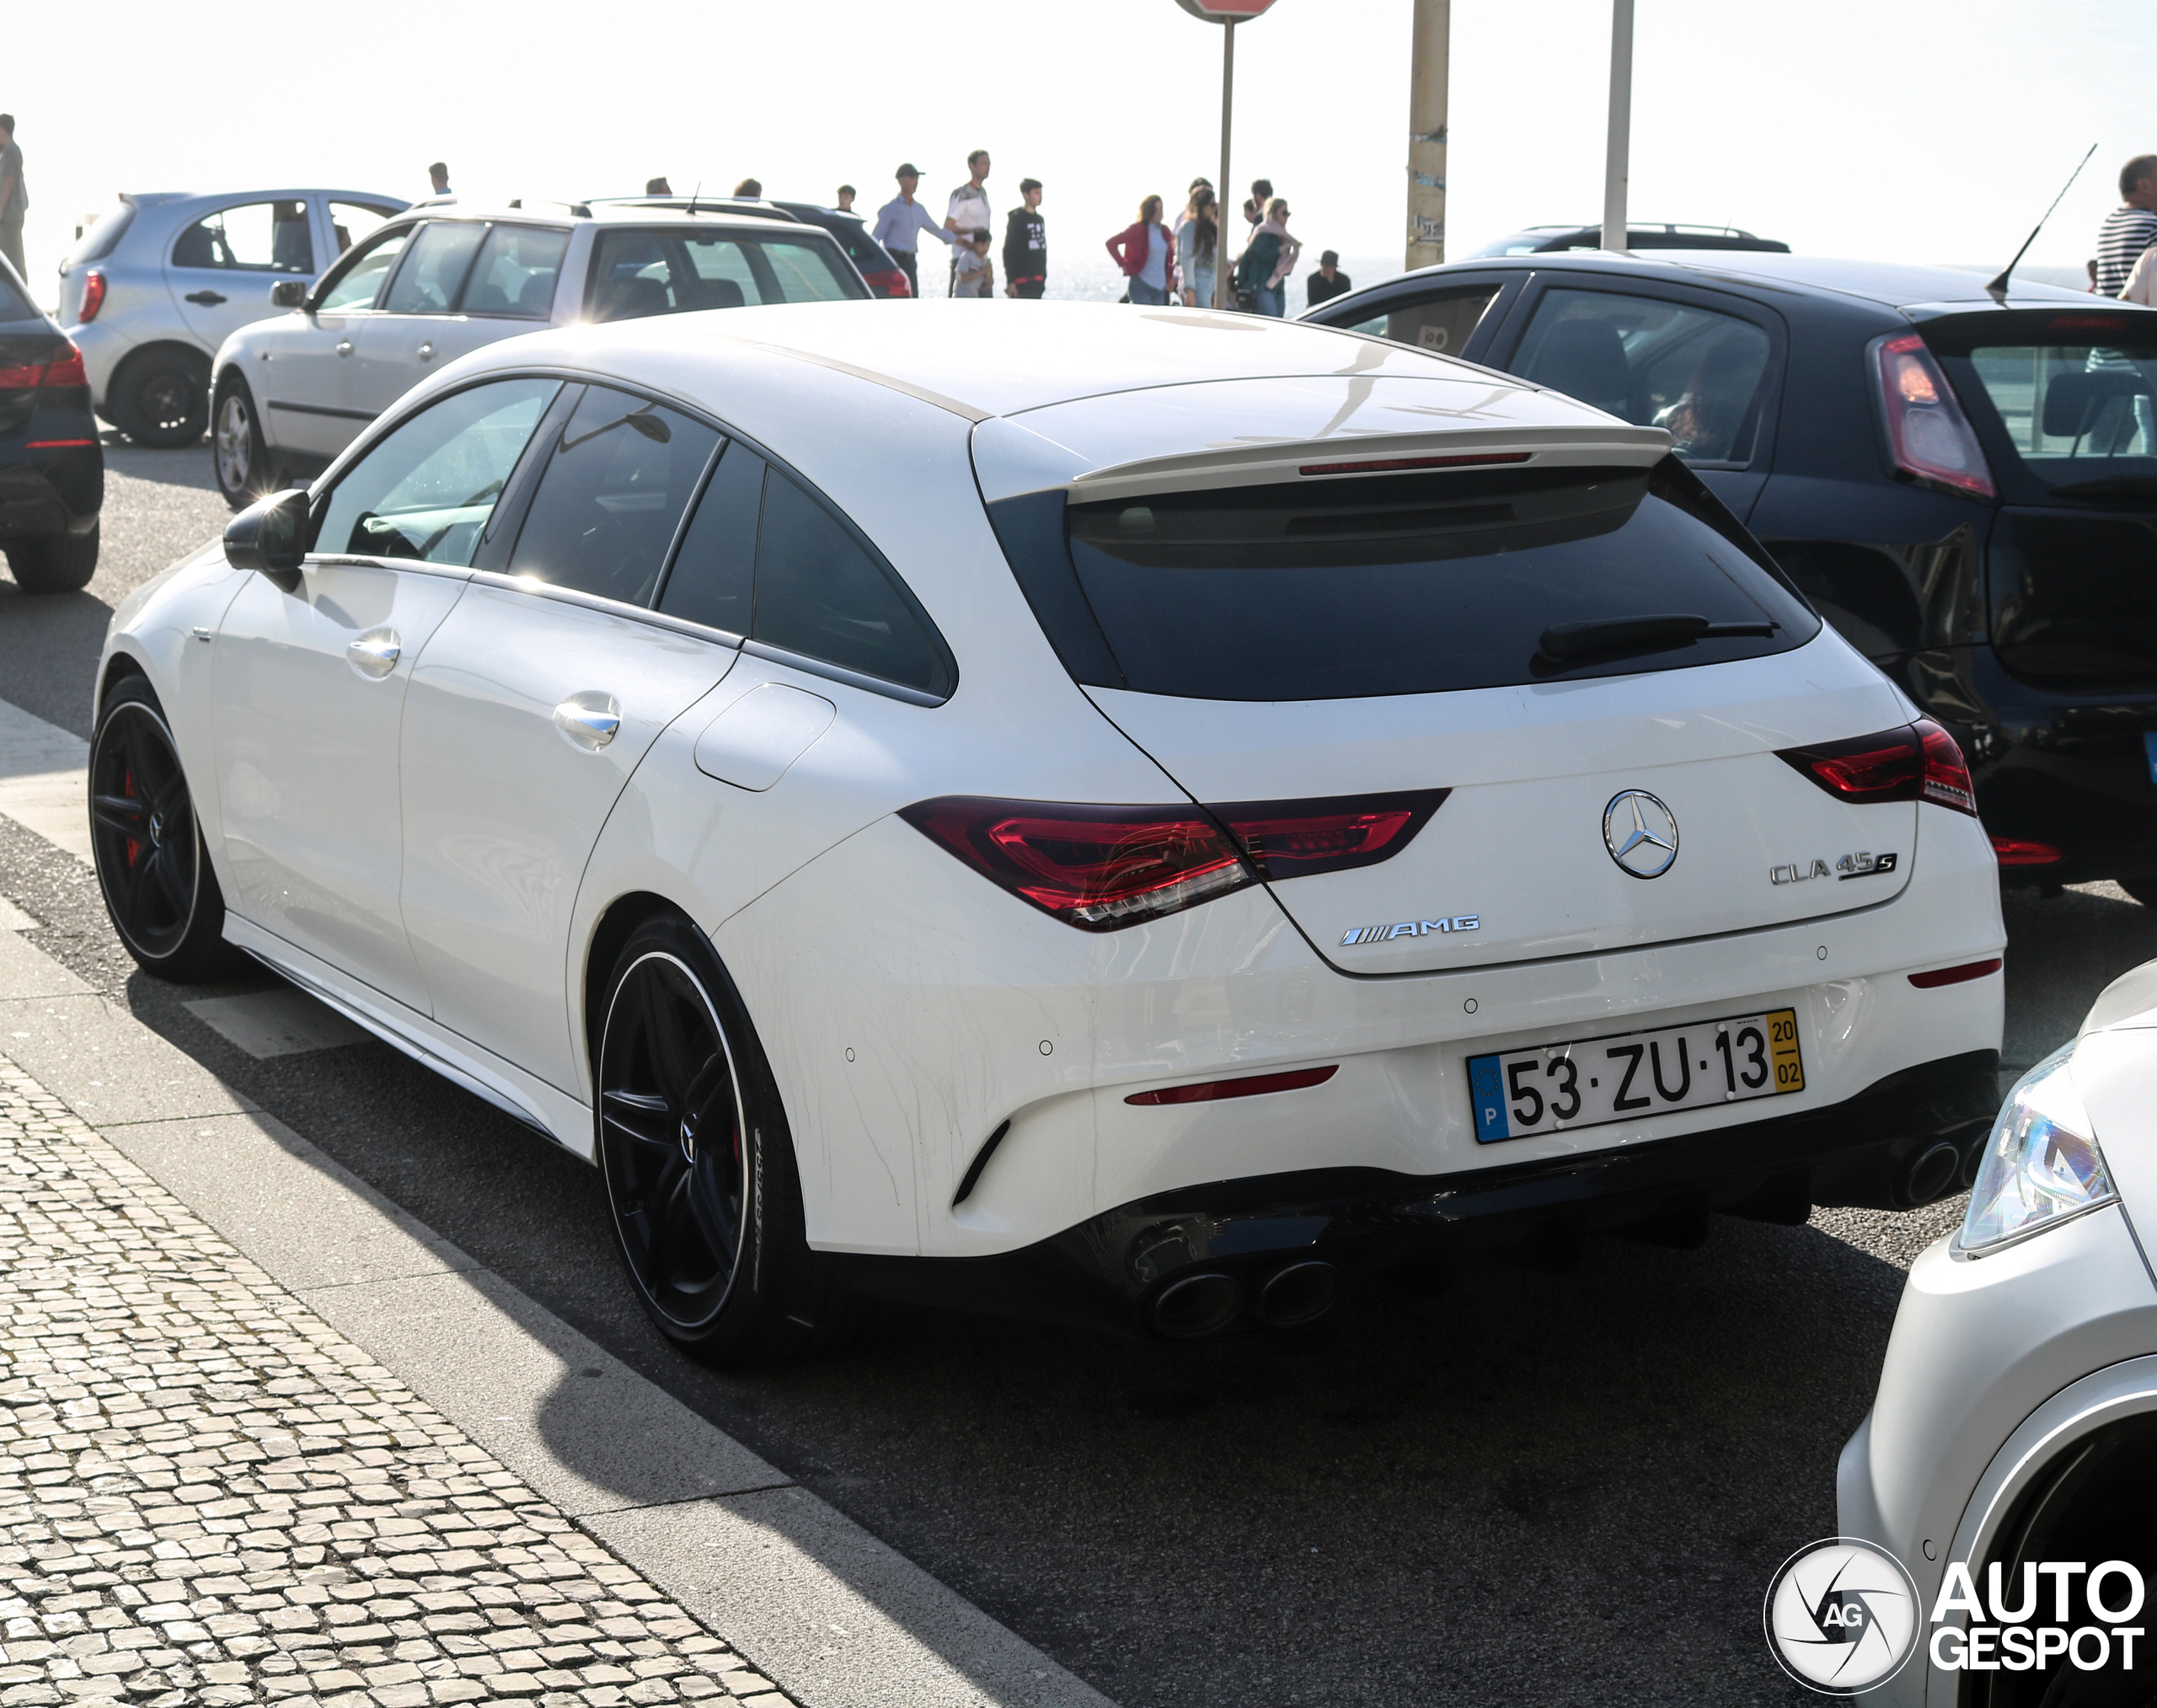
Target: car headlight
[(2042, 1164)]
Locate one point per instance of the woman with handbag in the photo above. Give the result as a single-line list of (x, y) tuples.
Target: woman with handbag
[(1147, 254), (1263, 271)]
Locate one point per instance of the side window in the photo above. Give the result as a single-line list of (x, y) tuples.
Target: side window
[(259, 236), (714, 572), (356, 222), (516, 272), (820, 592), (426, 489), (1692, 370), (427, 283), (1442, 322), (361, 281), (611, 495)]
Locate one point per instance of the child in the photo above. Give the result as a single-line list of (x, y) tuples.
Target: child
[(971, 258)]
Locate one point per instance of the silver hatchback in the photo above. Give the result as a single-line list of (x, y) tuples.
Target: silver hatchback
[(154, 286)]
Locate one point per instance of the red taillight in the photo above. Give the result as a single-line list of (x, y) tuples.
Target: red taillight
[(64, 368), (2013, 851), (887, 282), (1955, 975), (1919, 761), (1103, 868), (92, 296), (1252, 1085), (1926, 428)]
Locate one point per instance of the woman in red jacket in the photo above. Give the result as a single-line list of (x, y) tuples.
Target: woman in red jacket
[(1147, 254)]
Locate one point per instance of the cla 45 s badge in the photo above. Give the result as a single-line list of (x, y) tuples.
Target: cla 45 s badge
[(1850, 866)]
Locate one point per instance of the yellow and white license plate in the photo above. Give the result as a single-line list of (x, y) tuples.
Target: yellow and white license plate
[(1633, 1076)]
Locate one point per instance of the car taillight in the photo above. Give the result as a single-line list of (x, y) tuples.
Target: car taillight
[(2015, 851), (1927, 431), (1918, 762), (66, 368), (887, 282), (1103, 868), (92, 296)]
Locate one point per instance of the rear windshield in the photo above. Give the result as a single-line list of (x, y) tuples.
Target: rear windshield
[(668, 272), (2078, 410), (1395, 584), (103, 235), (13, 305)]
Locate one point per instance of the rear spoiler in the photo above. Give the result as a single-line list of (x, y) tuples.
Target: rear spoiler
[(1008, 467)]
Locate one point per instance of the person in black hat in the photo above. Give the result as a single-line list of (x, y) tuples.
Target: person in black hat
[(1328, 283), (900, 222)]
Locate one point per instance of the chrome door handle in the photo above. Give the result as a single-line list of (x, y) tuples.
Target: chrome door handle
[(427, 350), (344, 346), (208, 299), (590, 720), (375, 653)]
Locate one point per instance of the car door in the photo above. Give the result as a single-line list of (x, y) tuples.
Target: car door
[(308, 681), (303, 378), (421, 325), (1454, 314), (531, 707), (221, 267), (1704, 365)]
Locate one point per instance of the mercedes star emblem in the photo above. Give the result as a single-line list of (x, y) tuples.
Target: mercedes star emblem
[(1640, 833)]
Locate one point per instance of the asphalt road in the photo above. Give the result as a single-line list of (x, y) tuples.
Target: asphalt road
[(1534, 1489)]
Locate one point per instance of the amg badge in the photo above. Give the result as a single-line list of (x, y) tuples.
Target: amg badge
[(1412, 927), (1850, 866)]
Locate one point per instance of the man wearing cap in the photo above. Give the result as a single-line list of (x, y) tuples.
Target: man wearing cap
[(899, 225), (1328, 283)]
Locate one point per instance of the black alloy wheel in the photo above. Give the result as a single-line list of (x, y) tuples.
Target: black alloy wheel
[(163, 400), (698, 1165), (152, 865)]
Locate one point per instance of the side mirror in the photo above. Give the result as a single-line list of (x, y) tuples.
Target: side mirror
[(268, 535), (289, 293)]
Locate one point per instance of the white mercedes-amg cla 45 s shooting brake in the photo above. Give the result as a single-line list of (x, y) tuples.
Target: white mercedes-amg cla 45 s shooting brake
[(1115, 817)]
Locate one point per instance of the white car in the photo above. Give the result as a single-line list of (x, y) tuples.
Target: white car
[(288, 393), (1121, 817), (2014, 1430)]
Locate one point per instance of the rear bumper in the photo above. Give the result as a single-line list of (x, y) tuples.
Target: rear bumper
[(43, 493), (1106, 1272)]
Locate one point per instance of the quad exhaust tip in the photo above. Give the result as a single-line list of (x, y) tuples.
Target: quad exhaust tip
[(1196, 1306), (1934, 1173)]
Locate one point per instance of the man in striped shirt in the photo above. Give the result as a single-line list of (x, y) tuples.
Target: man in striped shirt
[(2129, 228)]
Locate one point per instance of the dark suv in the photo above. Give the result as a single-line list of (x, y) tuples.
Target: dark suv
[(1965, 485), (51, 465)]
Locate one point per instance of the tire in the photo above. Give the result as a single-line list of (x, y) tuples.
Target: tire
[(162, 399), (2143, 889), (61, 563), (152, 864), (238, 457), (698, 1164)]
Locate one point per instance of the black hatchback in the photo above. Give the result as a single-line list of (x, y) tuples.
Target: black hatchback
[(1965, 485), (51, 465)]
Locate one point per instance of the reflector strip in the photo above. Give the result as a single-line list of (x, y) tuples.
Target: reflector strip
[(1955, 975), (55, 444), (1413, 463), (1214, 1089), (2013, 851)]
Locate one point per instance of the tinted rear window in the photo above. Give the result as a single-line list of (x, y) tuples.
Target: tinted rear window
[(13, 305), (102, 237), (1388, 584), (638, 273)]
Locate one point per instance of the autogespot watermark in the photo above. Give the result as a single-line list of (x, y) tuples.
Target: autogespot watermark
[(1843, 1616)]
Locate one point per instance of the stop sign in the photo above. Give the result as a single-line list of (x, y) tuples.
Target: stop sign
[(1224, 11)]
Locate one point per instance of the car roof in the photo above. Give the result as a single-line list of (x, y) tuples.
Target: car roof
[(999, 358), (1892, 284), (145, 199), (597, 213)]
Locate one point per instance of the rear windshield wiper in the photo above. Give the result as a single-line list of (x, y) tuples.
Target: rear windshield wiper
[(2112, 486), (1608, 635)]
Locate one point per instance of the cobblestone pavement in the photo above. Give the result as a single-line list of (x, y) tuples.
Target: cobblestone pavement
[(207, 1496)]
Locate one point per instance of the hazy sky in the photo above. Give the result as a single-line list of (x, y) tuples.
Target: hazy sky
[(1916, 130)]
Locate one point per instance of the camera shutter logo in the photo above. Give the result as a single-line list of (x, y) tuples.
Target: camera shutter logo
[(1841, 1616)]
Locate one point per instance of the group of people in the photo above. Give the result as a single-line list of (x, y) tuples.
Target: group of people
[(1160, 266)]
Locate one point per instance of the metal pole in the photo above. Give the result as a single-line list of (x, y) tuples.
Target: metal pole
[(1427, 133), (1614, 234), (1221, 204)]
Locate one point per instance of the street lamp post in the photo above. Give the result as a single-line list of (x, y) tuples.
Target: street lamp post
[(1426, 134), (1228, 13), (1619, 145)]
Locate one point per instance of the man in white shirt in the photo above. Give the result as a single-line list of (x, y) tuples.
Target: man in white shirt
[(968, 213)]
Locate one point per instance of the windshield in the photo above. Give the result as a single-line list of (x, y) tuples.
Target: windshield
[(2077, 410), (1398, 584)]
